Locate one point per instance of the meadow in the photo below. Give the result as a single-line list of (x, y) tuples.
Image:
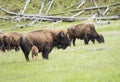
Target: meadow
[(80, 63)]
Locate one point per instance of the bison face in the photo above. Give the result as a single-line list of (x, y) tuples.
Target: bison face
[(100, 39), (71, 33), (63, 40)]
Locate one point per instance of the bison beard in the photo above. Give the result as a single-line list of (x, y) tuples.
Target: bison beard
[(44, 40)]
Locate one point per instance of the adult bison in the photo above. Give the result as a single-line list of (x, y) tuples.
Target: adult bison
[(3, 45), (84, 32), (11, 41), (44, 40), (1, 40)]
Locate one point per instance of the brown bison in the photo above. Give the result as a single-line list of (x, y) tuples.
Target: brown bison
[(35, 52), (11, 41), (100, 39), (84, 32), (1, 40), (44, 40)]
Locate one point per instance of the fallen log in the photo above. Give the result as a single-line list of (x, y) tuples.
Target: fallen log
[(5, 18), (109, 17), (8, 12), (67, 19), (77, 14), (86, 9), (51, 18), (114, 4), (77, 10), (90, 8)]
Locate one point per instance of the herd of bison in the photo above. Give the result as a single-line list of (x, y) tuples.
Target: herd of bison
[(45, 40)]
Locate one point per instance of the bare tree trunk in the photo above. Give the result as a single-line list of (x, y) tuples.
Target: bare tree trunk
[(39, 13), (8, 12), (78, 13), (51, 2), (89, 8), (98, 8), (91, 18), (106, 10), (25, 7), (73, 5), (82, 3), (41, 8)]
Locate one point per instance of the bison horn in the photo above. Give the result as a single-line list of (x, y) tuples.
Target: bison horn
[(62, 34)]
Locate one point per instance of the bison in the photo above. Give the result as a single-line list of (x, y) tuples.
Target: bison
[(1, 40), (84, 32), (11, 41), (34, 51), (45, 40), (100, 39)]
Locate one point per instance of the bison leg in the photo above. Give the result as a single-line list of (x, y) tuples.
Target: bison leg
[(45, 54), (26, 54), (33, 57), (46, 51), (36, 57), (26, 51), (17, 48), (86, 40), (93, 40), (74, 39), (3, 49)]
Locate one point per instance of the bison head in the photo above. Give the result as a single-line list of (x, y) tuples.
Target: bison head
[(71, 33), (63, 40), (100, 39)]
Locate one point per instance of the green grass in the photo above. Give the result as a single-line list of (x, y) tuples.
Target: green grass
[(80, 63), (114, 26)]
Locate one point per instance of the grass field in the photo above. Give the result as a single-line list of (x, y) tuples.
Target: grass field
[(80, 63)]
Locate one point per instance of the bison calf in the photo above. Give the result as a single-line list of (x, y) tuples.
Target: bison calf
[(35, 52)]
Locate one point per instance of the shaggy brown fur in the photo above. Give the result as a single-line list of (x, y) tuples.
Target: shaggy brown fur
[(35, 52), (11, 41), (1, 40), (44, 40), (84, 32)]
